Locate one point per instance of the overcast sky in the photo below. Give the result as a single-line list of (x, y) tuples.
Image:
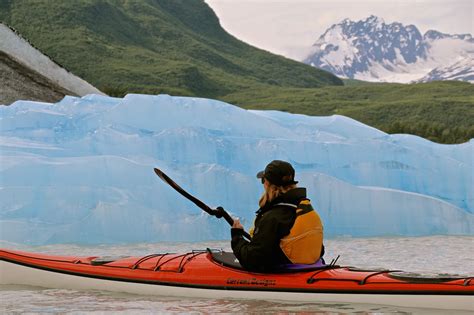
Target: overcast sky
[(290, 27)]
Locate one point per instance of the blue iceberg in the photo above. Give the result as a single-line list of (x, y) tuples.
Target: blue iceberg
[(81, 171)]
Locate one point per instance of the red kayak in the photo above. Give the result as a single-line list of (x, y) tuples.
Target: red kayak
[(216, 274)]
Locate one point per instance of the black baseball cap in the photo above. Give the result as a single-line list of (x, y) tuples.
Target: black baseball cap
[(278, 173)]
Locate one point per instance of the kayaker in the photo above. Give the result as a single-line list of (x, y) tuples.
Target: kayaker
[(287, 230)]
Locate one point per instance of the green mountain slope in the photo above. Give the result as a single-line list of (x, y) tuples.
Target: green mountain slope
[(152, 46), (440, 111)]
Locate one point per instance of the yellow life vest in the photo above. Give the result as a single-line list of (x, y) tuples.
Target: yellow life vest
[(304, 243)]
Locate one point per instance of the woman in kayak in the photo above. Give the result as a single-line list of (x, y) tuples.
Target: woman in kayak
[(287, 230)]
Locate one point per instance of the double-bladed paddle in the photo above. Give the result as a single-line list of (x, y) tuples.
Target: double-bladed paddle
[(219, 212)]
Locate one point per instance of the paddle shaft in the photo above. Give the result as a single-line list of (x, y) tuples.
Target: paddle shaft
[(220, 212)]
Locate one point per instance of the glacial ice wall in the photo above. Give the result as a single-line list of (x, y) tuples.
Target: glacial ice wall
[(81, 171)]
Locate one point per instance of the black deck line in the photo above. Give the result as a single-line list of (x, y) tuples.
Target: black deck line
[(241, 288)]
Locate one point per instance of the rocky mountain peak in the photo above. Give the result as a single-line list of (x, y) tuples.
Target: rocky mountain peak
[(351, 48)]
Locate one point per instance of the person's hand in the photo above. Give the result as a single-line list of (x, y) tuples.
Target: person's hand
[(237, 224)]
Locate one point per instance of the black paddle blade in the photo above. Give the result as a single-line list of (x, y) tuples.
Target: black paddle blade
[(183, 192), (218, 213)]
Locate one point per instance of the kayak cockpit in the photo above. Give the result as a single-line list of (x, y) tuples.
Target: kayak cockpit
[(228, 259)]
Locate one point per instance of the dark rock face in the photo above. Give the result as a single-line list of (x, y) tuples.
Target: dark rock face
[(20, 82)]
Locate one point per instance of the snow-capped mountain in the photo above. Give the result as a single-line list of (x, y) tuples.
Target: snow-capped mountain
[(372, 50), (461, 70)]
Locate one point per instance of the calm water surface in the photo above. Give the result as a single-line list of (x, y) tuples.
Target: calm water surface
[(437, 254)]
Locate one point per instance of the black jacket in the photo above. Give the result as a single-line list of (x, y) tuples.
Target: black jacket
[(273, 222)]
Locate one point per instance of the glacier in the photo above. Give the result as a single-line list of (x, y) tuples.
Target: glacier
[(81, 171)]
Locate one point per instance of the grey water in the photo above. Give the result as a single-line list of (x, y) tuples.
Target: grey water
[(434, 254)]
